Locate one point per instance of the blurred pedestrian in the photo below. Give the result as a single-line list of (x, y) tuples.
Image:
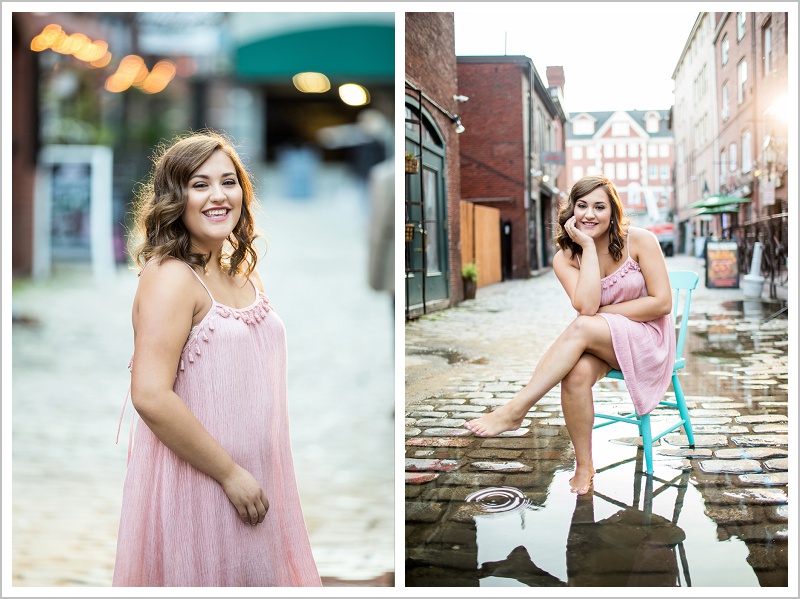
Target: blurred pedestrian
[(210, 497), (381, 228), (624, 321)]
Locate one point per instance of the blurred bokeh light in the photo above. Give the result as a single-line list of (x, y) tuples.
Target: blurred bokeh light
[(353, 94), (311, 83)]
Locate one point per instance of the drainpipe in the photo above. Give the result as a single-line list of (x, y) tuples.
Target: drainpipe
[(528, 177)]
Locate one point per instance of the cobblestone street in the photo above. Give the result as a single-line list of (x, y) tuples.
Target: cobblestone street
[(71, 343), (724, 503)]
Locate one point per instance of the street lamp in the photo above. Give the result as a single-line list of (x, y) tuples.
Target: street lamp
[(769, 153)]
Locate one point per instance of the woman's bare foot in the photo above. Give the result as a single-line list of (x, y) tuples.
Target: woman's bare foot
[(494, 423), (582, 481)]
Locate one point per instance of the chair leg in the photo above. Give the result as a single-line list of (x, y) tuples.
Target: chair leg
[(647, 442), (681, 401)]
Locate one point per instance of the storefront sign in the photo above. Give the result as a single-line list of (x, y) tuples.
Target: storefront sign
[(722, 264), (554, 157), (73, 205)]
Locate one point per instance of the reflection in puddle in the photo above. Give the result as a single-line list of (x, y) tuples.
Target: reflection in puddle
[(683, 527), (617, 535)]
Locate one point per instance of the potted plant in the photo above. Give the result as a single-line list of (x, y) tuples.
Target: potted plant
[(412, 164), (469, 274)]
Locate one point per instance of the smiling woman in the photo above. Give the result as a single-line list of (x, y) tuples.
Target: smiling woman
[(210, 497), (624, 321)]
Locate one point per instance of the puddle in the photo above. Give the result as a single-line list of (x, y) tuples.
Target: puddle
[(681, 527), (452, 356)]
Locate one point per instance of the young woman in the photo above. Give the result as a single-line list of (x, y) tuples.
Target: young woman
[(210, 497), (616, 278)]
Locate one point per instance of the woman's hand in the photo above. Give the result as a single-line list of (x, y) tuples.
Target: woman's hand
[(246, 495), (579, 237)]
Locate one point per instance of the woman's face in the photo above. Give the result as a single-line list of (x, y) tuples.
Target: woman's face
[(214, 202), (593, 213)]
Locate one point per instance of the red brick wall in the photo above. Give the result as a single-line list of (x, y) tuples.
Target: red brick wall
[(741, 115), (24, 143), (493, 146), (769, 88), (431, 66)]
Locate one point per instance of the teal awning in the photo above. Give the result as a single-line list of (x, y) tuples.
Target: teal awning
[(347, 52), (719, 200), (728, 209)]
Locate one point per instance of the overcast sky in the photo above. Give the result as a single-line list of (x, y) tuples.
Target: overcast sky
[(616, 56)]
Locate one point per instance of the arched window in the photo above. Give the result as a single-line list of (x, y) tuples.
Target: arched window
[(427, 257)]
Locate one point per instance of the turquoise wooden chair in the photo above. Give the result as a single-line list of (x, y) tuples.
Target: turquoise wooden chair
[(680, 280)]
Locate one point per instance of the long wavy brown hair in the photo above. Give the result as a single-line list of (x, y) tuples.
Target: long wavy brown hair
[(159, 231), (618, 229)]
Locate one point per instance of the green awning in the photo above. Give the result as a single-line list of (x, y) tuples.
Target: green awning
[(719, 200), (364, 52), (729, 209)]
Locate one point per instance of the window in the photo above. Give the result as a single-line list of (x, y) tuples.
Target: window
[(664, 172), (747, 159), (620, 129), (742, 74), (724, 47), (653, 172), (651, 124), (622, 150), (577, 153), (663, 150), (726, 108), (633, 150), (583, 126), (705, 78), (633, 171), (622, 171), (577, 172), (608, 151), (733, 156), (591, 152), (739, 25), (723, 164), (767, 47), (652, 150), (608, 170)]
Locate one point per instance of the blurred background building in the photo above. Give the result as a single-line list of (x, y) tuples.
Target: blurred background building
[(128, 81), (635, 149), (730, 121)]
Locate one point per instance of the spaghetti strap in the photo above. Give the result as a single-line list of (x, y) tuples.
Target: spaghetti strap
[(201, 282)]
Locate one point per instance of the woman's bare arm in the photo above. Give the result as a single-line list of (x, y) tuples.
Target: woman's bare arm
[(582, 283), (658, 301)]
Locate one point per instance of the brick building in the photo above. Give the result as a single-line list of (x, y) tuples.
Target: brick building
[(432, 208), (635, 149), (751, 55), (512, 151)]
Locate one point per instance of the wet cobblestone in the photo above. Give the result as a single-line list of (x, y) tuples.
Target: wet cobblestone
[(738, 405)]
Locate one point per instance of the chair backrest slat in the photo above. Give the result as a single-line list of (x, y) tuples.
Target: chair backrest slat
[(682, 280)]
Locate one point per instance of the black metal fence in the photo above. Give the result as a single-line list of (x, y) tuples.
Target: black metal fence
[(773, 233)]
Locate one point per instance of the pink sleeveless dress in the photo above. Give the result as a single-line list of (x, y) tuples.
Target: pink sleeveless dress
[(178, 527), (645, 350)]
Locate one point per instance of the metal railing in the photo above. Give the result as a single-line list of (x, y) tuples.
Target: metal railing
[(773, 233)]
